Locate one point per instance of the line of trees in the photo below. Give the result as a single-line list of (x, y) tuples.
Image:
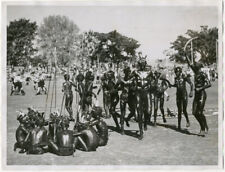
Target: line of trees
[(58, 40)]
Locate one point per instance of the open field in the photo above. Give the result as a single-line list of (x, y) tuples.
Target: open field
[(162, 145)]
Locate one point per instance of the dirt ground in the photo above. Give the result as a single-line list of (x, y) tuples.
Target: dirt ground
[(162, 145)]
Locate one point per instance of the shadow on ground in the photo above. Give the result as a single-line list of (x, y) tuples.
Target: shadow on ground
[(132, 133), (174, 127)]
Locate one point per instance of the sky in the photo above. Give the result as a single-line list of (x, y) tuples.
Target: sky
[(155, 27)]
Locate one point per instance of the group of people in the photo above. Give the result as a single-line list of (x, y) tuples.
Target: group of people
[(17, 78), (134, 86), (142, 90), (37, 135)]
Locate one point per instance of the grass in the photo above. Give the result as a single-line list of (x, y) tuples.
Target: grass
[(162, 145)]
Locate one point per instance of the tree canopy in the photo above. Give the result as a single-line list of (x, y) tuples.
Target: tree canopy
[(57, 37), (105, 47), (115, 47), (57, 40), (20, 36), (204, 46)]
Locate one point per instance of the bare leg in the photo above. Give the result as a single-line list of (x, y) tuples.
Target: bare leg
[(162, 108), (185, 102), (179, 107), (155, 109)]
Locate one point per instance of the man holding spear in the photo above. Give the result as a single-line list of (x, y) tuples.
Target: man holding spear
[(201, 82), (68, 94)]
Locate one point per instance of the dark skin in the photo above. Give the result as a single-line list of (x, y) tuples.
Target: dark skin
[(88, 100), (68, 142), (159, 87), (68, 93), (142, 97), (181, 94), (122, 85), (104, 88), (22, 134), (111, 96), (80, 88), (150, 79), (201, 83), (132, 94), (37, 138), (89, 82)]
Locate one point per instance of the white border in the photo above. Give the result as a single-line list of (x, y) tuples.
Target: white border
[(116, 2), (3, 103)]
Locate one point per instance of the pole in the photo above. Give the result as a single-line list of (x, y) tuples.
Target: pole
[(55, 89), (55, 76), (98, 62), (46, 101), (216, 52), (52, 96), (62, 104), (82, 47), (185, 46), (192, 55)]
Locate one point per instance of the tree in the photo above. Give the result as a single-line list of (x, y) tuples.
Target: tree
[(20, 36), (204, 46), (57, 37), (35, 61), (115, 47), (88, 46)]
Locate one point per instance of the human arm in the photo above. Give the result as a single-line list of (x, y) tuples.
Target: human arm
[(188, 79), (100, 88), (94, 87), (73, 84), (169, 84), (95, 96), (190, 64), (206, 85), (165, 84), (63, 87), (167, 96)]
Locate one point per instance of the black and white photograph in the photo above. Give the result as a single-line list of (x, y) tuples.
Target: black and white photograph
[(112, 85)]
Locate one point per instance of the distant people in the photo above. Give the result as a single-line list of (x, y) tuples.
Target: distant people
[(41, 84), (27, 78), (29, 68), (212, 74), (17, 85)]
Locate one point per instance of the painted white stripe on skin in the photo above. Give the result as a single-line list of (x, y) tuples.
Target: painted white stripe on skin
[(65, 139)]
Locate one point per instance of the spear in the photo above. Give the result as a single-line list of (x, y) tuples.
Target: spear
[(185, 46)]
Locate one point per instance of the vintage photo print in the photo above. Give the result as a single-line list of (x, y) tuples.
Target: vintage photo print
[(111, 84)]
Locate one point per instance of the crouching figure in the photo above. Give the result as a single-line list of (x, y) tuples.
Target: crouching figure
[(31, 135), (37, 138), (66, 141), (22, 132), (94, 132)]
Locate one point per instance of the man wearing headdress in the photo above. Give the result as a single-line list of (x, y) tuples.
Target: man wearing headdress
[(142, 95), (68, 93), (201, 82), (181, 96)]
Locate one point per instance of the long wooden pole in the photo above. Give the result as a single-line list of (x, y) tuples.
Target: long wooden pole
[(217, 52), (192, 54), (185, 46), (55, 76)]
